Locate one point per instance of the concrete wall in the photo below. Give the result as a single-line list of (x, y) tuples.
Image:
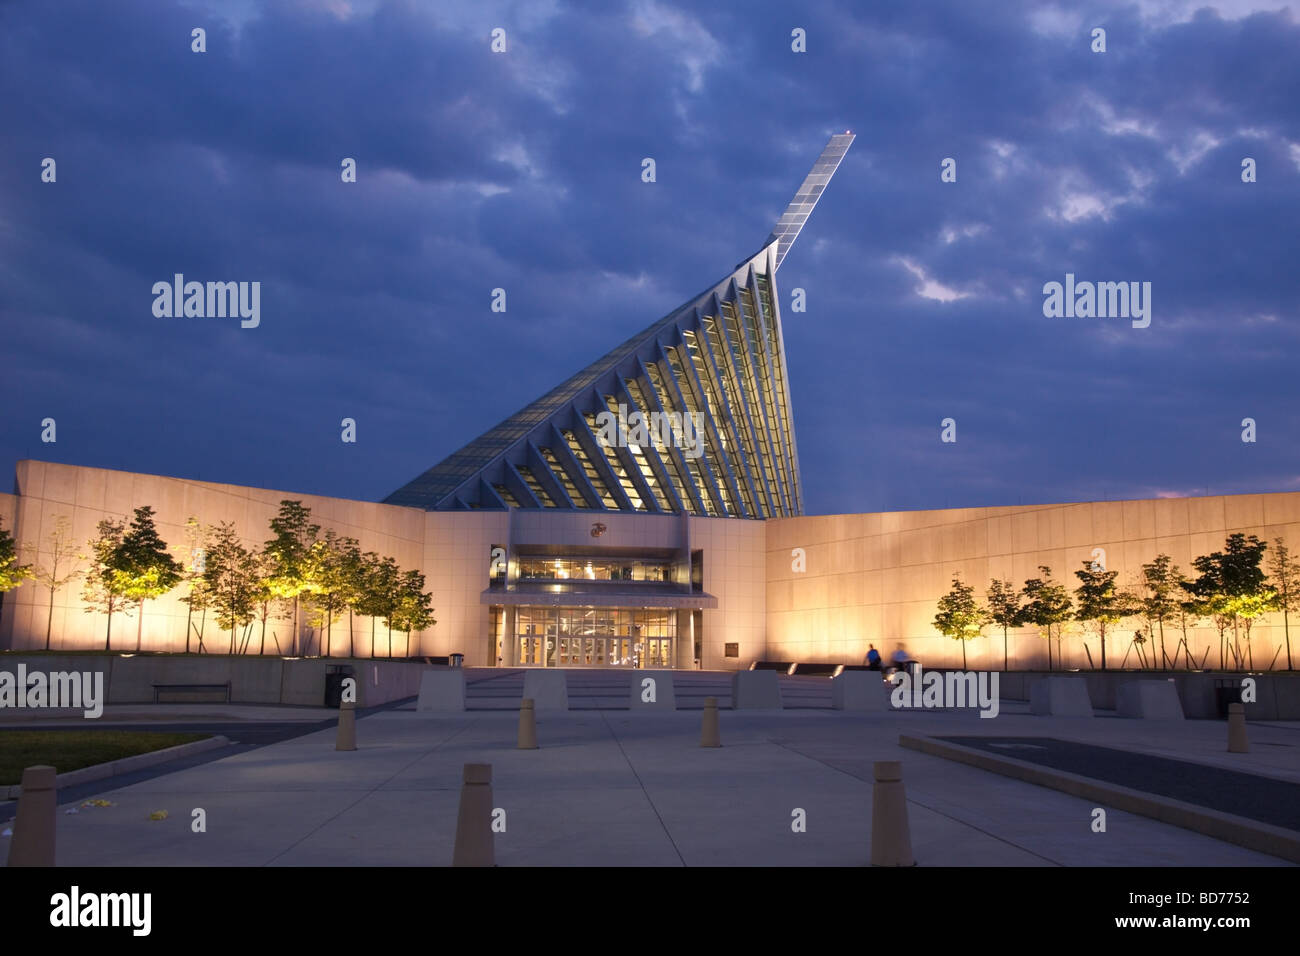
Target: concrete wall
[(457, 564), (87, 495), (877, 577), (867, 578), (734, 574), (253, 680)]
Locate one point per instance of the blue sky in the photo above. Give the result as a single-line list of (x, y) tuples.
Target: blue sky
[(522, 170)]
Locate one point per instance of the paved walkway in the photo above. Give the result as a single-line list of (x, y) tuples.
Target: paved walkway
[(615, 788)]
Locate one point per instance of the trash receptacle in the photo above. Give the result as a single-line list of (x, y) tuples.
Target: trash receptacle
[(334, 677), (1226, 692), (456, 660)]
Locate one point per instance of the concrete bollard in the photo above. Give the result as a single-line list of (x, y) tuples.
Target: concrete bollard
[(891, 838), (33, 840), (1237, 743), (474, 819), (527, 725), (347, 736), (709, 734)]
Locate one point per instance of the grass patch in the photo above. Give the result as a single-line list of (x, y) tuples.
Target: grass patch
[(66, 750)]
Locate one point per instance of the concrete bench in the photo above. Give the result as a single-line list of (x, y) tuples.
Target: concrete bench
[(817, 670), (1060, 697), (222, 689), (785, 667), (755, 690), (859, 690), (441, 690), (1149, 700)]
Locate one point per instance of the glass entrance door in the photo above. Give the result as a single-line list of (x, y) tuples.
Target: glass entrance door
[(595, 637)]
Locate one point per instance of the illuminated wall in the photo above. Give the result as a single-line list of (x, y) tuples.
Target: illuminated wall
[(877, 577), (866, 578), (87, 495)]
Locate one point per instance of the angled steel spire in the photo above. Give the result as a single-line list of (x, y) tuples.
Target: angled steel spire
[(801, 206), (718, 360)]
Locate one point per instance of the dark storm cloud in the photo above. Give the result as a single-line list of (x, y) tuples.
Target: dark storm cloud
[(522, 171)]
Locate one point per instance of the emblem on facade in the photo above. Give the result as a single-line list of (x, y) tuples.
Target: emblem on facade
[(597, 530)]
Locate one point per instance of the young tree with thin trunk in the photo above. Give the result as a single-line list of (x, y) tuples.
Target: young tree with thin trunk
[(1162, 582), (1232, 588), (104, 588), (290, 555), (1187, 615), (1100, 603), (382, 579), (230, 572), (353, 571), (959, 615), (197, 539), (1003, 610), (414, 611), (148, 570), (63, 568), (1285, 581), (1047, 607), (331, 564), (13, 574), (266, 606)]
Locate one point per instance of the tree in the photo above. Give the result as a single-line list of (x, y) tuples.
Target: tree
[(353, 570), (413, 611), (63, 569), (960, 616), (1232, 588), (146, 567), (1003, 610), (1162, 581), (1188, 615), (12, 574), (197, 540), (331, 565), (382, 592), (265, 602), (1047, 607), (1100, 603), (1285, 581), (290, 557), (104, 588), (230, 573)]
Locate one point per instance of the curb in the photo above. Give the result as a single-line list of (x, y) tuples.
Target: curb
[(113, 768), (1244, 832)]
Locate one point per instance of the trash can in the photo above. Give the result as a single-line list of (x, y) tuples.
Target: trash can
[(1226, 692), (335, 674), (456, 660)]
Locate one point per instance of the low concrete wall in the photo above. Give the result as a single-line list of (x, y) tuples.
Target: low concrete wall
[(253, 680), (1277, 695), (665, 694)]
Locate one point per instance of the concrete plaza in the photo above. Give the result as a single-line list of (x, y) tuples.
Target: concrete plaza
[(613, 788)]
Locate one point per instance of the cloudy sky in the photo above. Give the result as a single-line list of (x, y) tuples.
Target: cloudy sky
[(522, 170)]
